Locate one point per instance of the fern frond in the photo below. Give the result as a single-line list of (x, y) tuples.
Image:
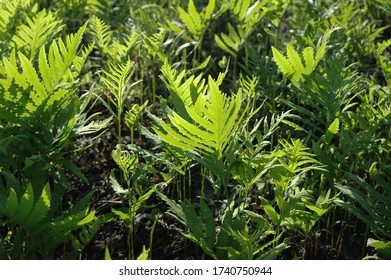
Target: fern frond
[(295, 60), (55, 66), (154, 43), (125, 160), (183, 91), (7, 14), (28, 211), (282, 62), (132, 115), (80, 60), (292, 65), (232, 42), (371, 202), (39, 30), (212, 122), (101, 8), (200, 228), (116, 79), (28, 92), (383, 59), (87, 232), (240, 7), (101, 33), (196, 22)]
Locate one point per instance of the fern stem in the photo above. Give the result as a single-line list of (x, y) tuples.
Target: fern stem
[(202, 181), (155, 221), (189, 182), (119, 133), (364, 245), (153, 90), (234, 73)]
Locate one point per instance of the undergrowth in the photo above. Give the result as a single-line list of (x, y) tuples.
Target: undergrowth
[(221, 129)]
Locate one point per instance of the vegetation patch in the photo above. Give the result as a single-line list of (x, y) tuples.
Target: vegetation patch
[(189, 129)]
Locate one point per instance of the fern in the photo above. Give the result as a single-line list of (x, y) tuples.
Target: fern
[(7, 14), (128, 215), (247, 15), (209, 130), (183, 91), (102, 34), (232, 42), (31, 215), (154, 43), (292, 65), (290, 164), (330, 96), (116, 81), (201, 228), (232, 237), (381, 56), (39, 30), (132, 116), (196, 23), (30, 93), (124, 160), (370, 202)]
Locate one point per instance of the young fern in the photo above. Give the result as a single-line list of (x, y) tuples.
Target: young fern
[(381, 56), (239, 235), (102, 35), (183, 91), (247, 15), (29, 93), (116, 81), (297, 208), (292, 65), (108, 45), (196, 23), (231, 42), (31, 216), (38, 31), (330, 95), (211, 125), (8, 12)]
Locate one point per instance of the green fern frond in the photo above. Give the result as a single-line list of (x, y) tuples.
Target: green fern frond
[(154, 43), (131, 116), (101, 8), (383, 59), (200, 228), (126, 161), (28, 91), (101, 34), (371, 202), (249, 13), (232, 42), (282, 62), (28, 211), (7, 14), (211, 124), (292, 65), (39, 30), (239, 7), (196, 22), (116, 79), (183, 91)]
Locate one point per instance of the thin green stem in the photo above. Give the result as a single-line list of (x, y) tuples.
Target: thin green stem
[(155, 221)]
